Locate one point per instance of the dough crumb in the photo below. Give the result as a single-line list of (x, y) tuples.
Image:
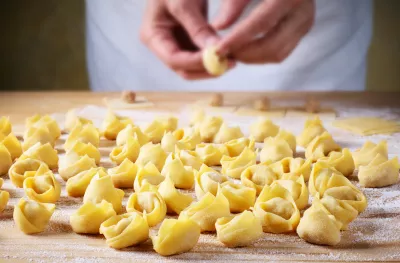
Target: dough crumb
[(217, 100), (128, 96), (262, 104), (313, 105)]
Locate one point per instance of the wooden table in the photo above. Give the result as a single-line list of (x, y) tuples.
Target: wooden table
[(59, 244)]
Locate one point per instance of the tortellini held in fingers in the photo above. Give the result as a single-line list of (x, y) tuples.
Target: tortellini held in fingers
[(175, 201), (321, 147), (43, 188), (239, 230), (226, 134), (189, 158), (211, 154), (176, 236), (152, 153), (262, 129), (72, 164), (234, 166), (341, 161), (274, 150), (32, 217), (76, 185), (209, 127), (72, 120), (125, 230), (86, 133), (208, 180), (132, 131), (369, 151), (312, 129), (380, 172), (13, 145), (297, 188), (4, 197), (123, 176), (42, 152), (5, 126), (23, 169), (257, 176), (236, 147), (88, 149), (182, 176), (240, 197), (88, 218), (113, 124), (44, 121), (5, 160), (128, 151), (148, 174), (37, 134), (155, 131), (215, 64)]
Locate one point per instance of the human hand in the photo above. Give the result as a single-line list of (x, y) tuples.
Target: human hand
[(177, 31), (269, 34)]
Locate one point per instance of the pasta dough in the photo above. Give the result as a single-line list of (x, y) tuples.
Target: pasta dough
[(5, 159), (125, 230), (72, 120), (321, 146), (72, 164), (182, 176), (274, 150), (43, 188), (211, 155), (4, 197), (288, 137), (32, 217), (213, 63), (379, 172), (312, 129), (262, 129), (88, 218), (42, 152), (298, 190), (238, 230), (123, 176), (240, 197), (294, 166), (23, 169), (176, 236), (76, 186), (83, 133), (152, 153), (226, 134), (37, 134), (128, 151), (341, 161), (368, 152), (209, 127), (368, 125), (175, 201), (113, 124), (5, 126), (234, 166), (257, 176), (155, 131), (235, 147), (208, 180), (277, 210), (88, 149), (44, 121), (13, 145), (189, 158), (132, 131), (147, 174)]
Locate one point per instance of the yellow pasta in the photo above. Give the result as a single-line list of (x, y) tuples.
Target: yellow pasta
[(123, 176), (379, 172), (189, 158), (13, 145), (341, 161), (88, 149), (197, 117), (35, 134), (128, 151), (213, 63), (209, 127), (207, 180), (5, 126), (226, 134), (262, 129), (23, 169), (4, 197), (234, 166), (152, 153), (76, 186), (240, 197), (86, 133), (235, 147), (321, 147), (113, 124), (368, 152), (295, 166), (170, 123), (72, 164), (312, 129), (175, 201), (288, 137), (44, 121), (155, 131), (72, 120), (169, 142), (147, 174), (274, 150), (211, 154), (5, 159), (297, 188), (257, 176), (187, 138), (132, 131), (43, 188), (42, 152), (182, 176)]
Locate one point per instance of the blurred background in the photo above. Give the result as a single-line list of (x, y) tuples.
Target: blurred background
[(43, 46)]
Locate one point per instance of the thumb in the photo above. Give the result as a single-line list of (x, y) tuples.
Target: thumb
[(228, 13)]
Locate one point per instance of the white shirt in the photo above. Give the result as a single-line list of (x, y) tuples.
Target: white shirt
[(332, 56)]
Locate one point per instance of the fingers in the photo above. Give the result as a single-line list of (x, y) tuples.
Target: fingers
[(198, 75), (228, 13)]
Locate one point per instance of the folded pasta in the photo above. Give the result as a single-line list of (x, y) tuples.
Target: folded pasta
[(262, 129), (13, 145), (132, 131), (175, 201), (182, 176), (151, 153), (113, 124), (211, 154), (288, 137), (72, 120), (123, 175), (321, 147), (76, 186), (42, 152), (5, 126), (72, 164), (5, 159), (257, 176), (148, 174), (380, 172), (23, 169), (209, 127), (35, 134), (297, 188), (235, 147), (294, 166), (84, 133), (88, 149), (155, 131), (189, 158), (341, 161), (226, 134), (44, 121), (4, 197), (274, 150), (368, 152), (234, 166), (128, 151), (170, 123), (207, 180), (43, 188), (240, 197), (312, 129)]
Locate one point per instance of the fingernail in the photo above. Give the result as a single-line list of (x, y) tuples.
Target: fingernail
[(211, 41)]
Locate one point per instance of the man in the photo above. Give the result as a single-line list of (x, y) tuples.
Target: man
[(272, 44)]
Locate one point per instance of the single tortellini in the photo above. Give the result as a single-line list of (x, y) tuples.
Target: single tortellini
[(176, 236), (72, 164), (102, 188), (189, 158), (318, 226), (113, 124), (37, 134), (76, 186), (257, 176), (187, 138), (169, 142), (148, 203), (5, 159), (123, 176), (368, 152), (262, 129), (234, 166), (4, 197), (88, 149), (312, 129), (72, 120), (42, 152), (294, 166), (88, 218), (239, 230), (125, 230), (182, 176), (32, 217), (23, 169), (341, 161), (348, 194), (155, 131), (211, 155), (175, 201), (86, 133), (209, 127), (207, 210), (197, 117), (288, 137), (226, 134), (147, 174), (208, 180), (379, 172), (132, 131), (321, 147), (274, 150), (297, 188), (321, 174), (277, 210), (170, 123), (152, 153), (13, 145), (214, 64), (5, 126), (44, 121), (236, 147), (43, 188), (240, 197), (128, 151)]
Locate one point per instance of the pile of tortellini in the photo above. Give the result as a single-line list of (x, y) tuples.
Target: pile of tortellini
[(240, 192)]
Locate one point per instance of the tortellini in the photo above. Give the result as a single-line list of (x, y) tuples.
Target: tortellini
[(288, 137), (169, 142), (102, 188), (209, 127), (5, 159), (32, 217), (182, 176), (5, 126), (43, 188), (4, 197), (368, 152), (148, 203), (37, 134), (44, 121), (76, 186), (128, 151), (13, 145), (277, 210), (187, 138), (297, 188), (274, 150), (239, 230), (197, 117), (113, 124), (240, 197), (214, 63), (155, 131), (294, 166), (226, 134), (123, 176), (152, 153), (72, 164), (72, 120), (88, 149), (234, 166), (211, 154), (341, 161), (207, 180), (257, 176), (87, 133), (207, 210), (148, 174), (176, 236), (262, 129), (170, 123), (379, 172), (125, 230), (175, 201), (132, 131), (88, 218), (321, 146), (235, 147), (42, 152), (189, 158), (312, 129), (23, 169)]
